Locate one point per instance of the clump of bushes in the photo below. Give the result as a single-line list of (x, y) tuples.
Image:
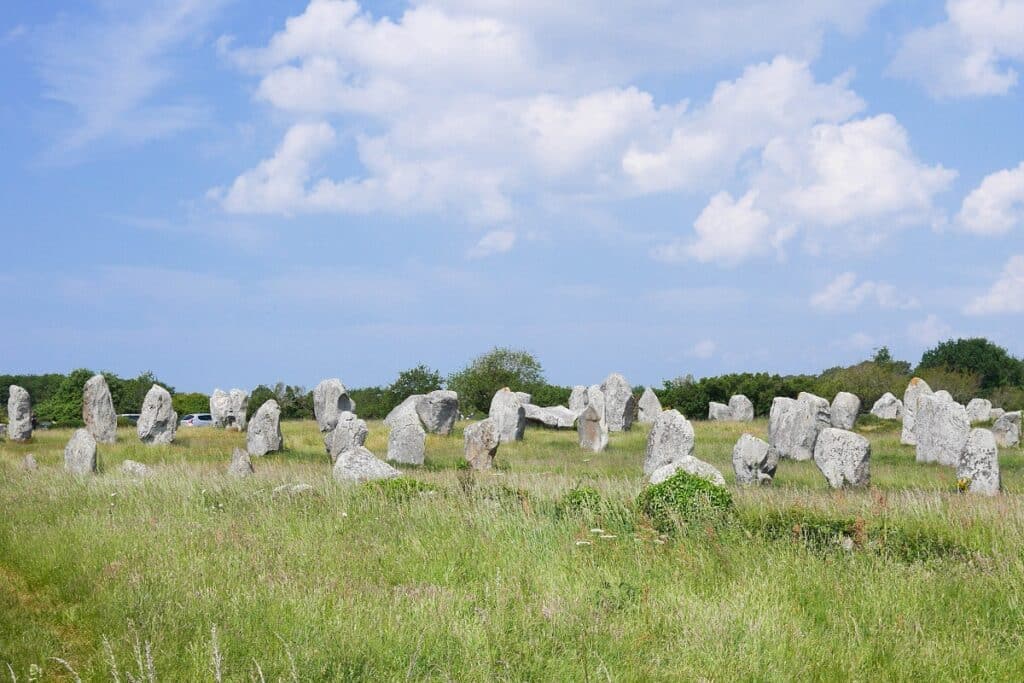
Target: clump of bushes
[(681, 498), (580, 500)]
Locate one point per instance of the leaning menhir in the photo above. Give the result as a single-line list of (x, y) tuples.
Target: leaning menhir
[(1007, 429), (158, 423), (263, 435), (888, 407)]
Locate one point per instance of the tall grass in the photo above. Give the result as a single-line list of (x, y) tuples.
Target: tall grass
[(188, 575)]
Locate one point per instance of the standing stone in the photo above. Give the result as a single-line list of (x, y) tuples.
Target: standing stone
[(578, 399), (593, 430), (843, 457), (1007, 429), (996, 413), (158, 422), (358, 465), (915, 390), (135, 469), (821, 408), (979, 463), (241, 465), (555, 417), (438, 411), (619, 403), (944, 395), (524, 397), (671, 439), (228, 408), (481, 444), (649, 407), (348, 433), (98, 410), (941, 428), (406, 438), (508, 414), (80, 453), (19, 414), (742, 408), (844, 410), (793, 427), (331, 399), (719, 412), (888, 407), (29, 463), (691, 465), (979, 410), (753, 461), (264, 431)]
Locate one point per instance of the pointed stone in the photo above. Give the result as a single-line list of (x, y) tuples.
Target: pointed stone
[(98, 410), (649, 407), (263, 435), (158, 423)]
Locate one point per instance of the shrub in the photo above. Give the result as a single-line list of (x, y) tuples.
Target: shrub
[(190, 403), (991, 363), (680, 498), (962, 385), (1008, 398), (579, 500), (550, 395), (691, 397), (501, 367)]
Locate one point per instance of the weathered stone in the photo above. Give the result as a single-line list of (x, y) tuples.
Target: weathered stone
[(241, 464), (979, 410), (29, 463), (996, 414), (524, 397), (438, 411), (691, 465), (19, 414), (821, 408), (844, 410), (915, 390), (481, 444), (508, 414), (843, 457), (1007, 429), (978, 467), (555, 417), (742, 408), (888, 407), (649, 407), (671, 439), (944, 395), (135, 469), (593, 430), (158, 422), (350, 431), (263, 435), (941, 429), (98, 410), (406, 438), (578, 399), (753, 461), (80, 453), (794, 424), (719, 412), (619, 403), (291, 490), (331, 399), (228, 408), (358, 465)]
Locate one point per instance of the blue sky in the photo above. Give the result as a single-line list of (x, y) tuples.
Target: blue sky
[(229, 193)]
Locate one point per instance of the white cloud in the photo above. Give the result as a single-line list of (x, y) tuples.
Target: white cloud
[(703, 349), (1007, 293), (928, 331), (970, 53), (728, 231), (112, 71), (845, 294), (494, 242), (996, 206)]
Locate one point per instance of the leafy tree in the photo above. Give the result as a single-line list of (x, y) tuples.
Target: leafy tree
[(991, 363), (691, 397), (257, 397), (128, 394), (417, 380), (190, 403), (962, 385), (500, 367), (550, 395), (372, 403), (295, 402), (64, 407)]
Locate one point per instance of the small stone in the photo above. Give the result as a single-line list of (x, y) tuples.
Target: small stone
[(941, 428), (649, 407), (844, 410), (98, 410), (843, 457), (263, 434), (331, 399), (979, 463), (481, 444), (406, 438), (554, 417), (80, 453), (888, 407), (619, 403), (671, 439), (753, 461), (348, 432), (135, 469), (29, 463), (742, 408), (719, 412), (690, 465), (241, 464), (19, 414), (358, 465), (593, 430), (1007, 429), (158, 422), (915, 390), (508, 414), (979, 410)]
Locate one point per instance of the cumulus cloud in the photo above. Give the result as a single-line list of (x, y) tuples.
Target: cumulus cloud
[(493, 242), (845, 294), (1006, 295), (970, 53), (996, 206), (728, 231)]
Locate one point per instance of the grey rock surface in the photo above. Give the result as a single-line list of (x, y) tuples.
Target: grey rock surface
[(438, 411), (229, 408), (135, 469), (241, 465), (1007, 429), (944, 395), (158, 423), (690, 465), (793, 427), (263, 434), (844, 410), (915, 390), (331, 399), (98, 410), (554, 417), (888, 407), (578, 399), (349, 432), (619, 403), (19, 414), (719, 412), (742, 408), (358, 465), (979, 410), (508, 414), (940, 428), (481, 444), (753, 461), (671, 439), (406, 437), (979, 463), (80, 453), (29, 463), (843, 457), (648, 407), (592, 429)]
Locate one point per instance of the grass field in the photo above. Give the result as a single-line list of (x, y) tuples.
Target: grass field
[(188, 575)]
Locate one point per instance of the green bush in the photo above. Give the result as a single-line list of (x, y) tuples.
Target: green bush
[(579, 500), (190, 403), (962, 385), (550, 395), (682, 497), (1008, 398), (691, 397), (477, 383), (991, 363)]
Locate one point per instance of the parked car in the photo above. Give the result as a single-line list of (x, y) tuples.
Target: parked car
[(130, 418), (197, 420)]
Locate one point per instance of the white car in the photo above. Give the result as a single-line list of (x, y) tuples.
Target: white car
[(197, 420)]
